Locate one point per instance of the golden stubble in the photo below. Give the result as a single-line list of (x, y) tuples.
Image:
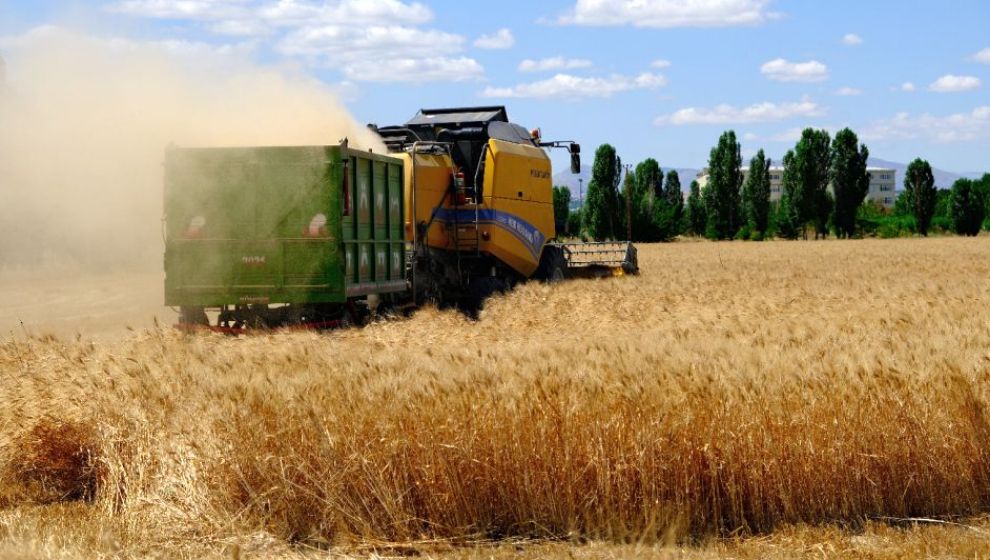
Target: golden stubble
[(730, 389)]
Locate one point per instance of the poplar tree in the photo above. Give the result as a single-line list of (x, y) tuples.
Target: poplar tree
[(920, 192), (850, 181), (602, 208), (696, 216), (561, 208), (966, 207), (722, 192), (648, 195), (790, 224), (669, 214), (756, 194), (811, 159)]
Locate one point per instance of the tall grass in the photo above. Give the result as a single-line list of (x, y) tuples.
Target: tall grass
[(730, 388)]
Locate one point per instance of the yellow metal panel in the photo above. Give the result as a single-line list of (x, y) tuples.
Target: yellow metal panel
[(519, 188), (519, 172), (516, 214), (433, 176), (518, 234)]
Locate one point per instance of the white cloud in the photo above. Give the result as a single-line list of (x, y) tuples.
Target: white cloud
[(339, 43), (416, 70), (282, 12), (553, 63), (374, 53), (660, 63), (240, 27), (848, 91), (782, 70), (951, 83), (348, 12), (377, 40), (501, 39), (729, 114), (907, 86), (181, 9), (981, 56), (668, 13), (956, 127), (851, 39), (196, 48), (566, 86)]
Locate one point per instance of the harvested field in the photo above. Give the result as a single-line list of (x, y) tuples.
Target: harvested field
[(753, 399)]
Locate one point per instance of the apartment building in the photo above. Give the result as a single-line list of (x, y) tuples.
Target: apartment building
[(883, 181)]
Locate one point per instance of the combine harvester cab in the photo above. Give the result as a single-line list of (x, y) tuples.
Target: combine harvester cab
[(280, 236)]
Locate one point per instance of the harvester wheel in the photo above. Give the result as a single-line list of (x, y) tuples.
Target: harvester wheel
[(553, 266)]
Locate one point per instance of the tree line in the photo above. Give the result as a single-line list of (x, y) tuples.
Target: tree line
[(824, 186)]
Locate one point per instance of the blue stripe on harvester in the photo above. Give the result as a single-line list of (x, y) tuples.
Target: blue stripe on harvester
[(530, 236)]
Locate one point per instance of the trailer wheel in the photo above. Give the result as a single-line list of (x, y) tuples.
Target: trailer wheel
[(553, 265), (193, 316)]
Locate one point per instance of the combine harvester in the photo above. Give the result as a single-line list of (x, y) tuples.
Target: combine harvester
[(321, 236)]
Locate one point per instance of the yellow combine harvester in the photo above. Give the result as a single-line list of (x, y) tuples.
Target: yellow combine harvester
[(479, 206)]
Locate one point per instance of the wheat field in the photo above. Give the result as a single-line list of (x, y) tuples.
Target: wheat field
[(746, 399)]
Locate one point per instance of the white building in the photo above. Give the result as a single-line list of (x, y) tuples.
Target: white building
[(882, 183)]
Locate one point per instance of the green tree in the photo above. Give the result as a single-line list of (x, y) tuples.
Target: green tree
[(668, 209), (601, 207), (696, 216), (561, 208), (790, 224), (902, 204), (574, 223), (722, 192), (850, 181), (629, 206), (811, 160), (920, 194), (983, 185), (756, 194), (649, 189), (967, 207)]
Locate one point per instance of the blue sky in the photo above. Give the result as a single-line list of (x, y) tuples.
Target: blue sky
[(657, 78)]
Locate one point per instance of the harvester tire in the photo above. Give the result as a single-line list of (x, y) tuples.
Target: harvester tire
[(553, 266)]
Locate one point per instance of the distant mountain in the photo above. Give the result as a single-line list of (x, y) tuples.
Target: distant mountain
[(570, 180), (943, 179)]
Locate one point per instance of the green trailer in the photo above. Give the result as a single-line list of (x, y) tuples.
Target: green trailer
[(272, 236)]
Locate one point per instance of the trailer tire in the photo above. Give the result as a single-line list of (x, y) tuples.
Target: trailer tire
[(193, 316), (553, 266)]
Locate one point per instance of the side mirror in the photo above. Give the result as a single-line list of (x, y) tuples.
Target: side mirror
[(575, 150)]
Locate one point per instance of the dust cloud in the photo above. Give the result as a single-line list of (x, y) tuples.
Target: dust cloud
[(84, 123)]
